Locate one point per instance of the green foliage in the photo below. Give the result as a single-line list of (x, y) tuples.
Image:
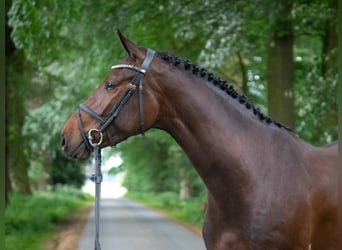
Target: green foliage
[(67, 172), (317, 107), (316, 73), (158, 169), (147, 170), (29, 219), (34, 21)]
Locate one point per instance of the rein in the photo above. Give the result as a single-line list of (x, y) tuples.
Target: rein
[(97, 179), (90, 141)]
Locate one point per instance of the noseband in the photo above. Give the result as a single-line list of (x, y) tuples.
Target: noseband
[(137, 81)]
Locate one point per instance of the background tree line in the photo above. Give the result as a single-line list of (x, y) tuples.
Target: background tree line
[(282, 54)]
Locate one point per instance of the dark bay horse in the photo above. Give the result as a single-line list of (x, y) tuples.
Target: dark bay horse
[(267, 189)]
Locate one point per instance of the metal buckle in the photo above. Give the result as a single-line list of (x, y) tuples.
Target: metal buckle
[(90, 137), (131, 86)]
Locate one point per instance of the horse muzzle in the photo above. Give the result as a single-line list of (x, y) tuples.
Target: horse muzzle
[(74, 151)]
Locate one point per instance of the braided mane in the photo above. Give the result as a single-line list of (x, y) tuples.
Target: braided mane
[(220, 83)]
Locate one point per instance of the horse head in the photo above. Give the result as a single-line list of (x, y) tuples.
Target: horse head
[(122, 106)]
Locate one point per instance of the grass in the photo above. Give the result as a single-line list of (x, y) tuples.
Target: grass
[(189, 211), (31, 220)]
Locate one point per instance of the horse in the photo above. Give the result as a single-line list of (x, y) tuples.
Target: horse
[(267, 188)]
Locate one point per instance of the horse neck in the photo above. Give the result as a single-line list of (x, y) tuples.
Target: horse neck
[(222, 138)]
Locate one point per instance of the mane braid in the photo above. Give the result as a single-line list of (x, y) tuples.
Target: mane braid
[(220, 83)]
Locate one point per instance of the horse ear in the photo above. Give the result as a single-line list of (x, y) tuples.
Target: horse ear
[(133, 50)]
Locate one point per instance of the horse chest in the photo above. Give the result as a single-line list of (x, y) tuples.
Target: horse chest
[(265, 228)]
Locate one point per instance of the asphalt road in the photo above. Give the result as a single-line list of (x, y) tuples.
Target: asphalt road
[(127, 225)]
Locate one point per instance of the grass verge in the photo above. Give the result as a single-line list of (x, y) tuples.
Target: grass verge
[(31, 220), (189, 211)]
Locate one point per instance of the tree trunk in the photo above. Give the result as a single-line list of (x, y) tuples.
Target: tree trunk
[(280, 66), (243, 69), (8, 185), (9, 49), (16, 163), (184, 190), (330, 42)]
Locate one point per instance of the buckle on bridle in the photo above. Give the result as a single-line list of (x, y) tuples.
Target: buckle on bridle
[(91, 138), (131, 86)]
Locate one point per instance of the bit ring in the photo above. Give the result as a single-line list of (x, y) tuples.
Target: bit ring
[(90, 137)]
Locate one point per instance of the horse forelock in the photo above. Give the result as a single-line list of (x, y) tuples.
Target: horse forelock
[(187, 65)]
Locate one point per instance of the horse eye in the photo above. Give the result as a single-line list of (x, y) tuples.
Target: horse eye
[(109, 85)]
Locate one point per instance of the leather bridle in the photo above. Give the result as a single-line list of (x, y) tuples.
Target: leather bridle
[(137, 82)]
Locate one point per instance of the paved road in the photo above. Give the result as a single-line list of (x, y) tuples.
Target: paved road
[(127, 225)]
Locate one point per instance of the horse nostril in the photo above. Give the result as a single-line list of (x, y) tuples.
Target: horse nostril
[(63, 141)]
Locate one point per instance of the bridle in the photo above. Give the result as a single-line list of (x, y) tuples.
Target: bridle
[(89, 140), (137, 82)]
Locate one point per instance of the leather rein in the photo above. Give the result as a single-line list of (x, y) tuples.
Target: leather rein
[(89, 140)]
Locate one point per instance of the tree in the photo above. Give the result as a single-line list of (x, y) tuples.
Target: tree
[(9, 50), (34, 121), (330, 41), (17, 160), (280, 68), (316, 71), (67, 172), (161, 168), (147, 170), (16, 163)]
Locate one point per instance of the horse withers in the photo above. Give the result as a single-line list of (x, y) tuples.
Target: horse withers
[(267, 188)]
